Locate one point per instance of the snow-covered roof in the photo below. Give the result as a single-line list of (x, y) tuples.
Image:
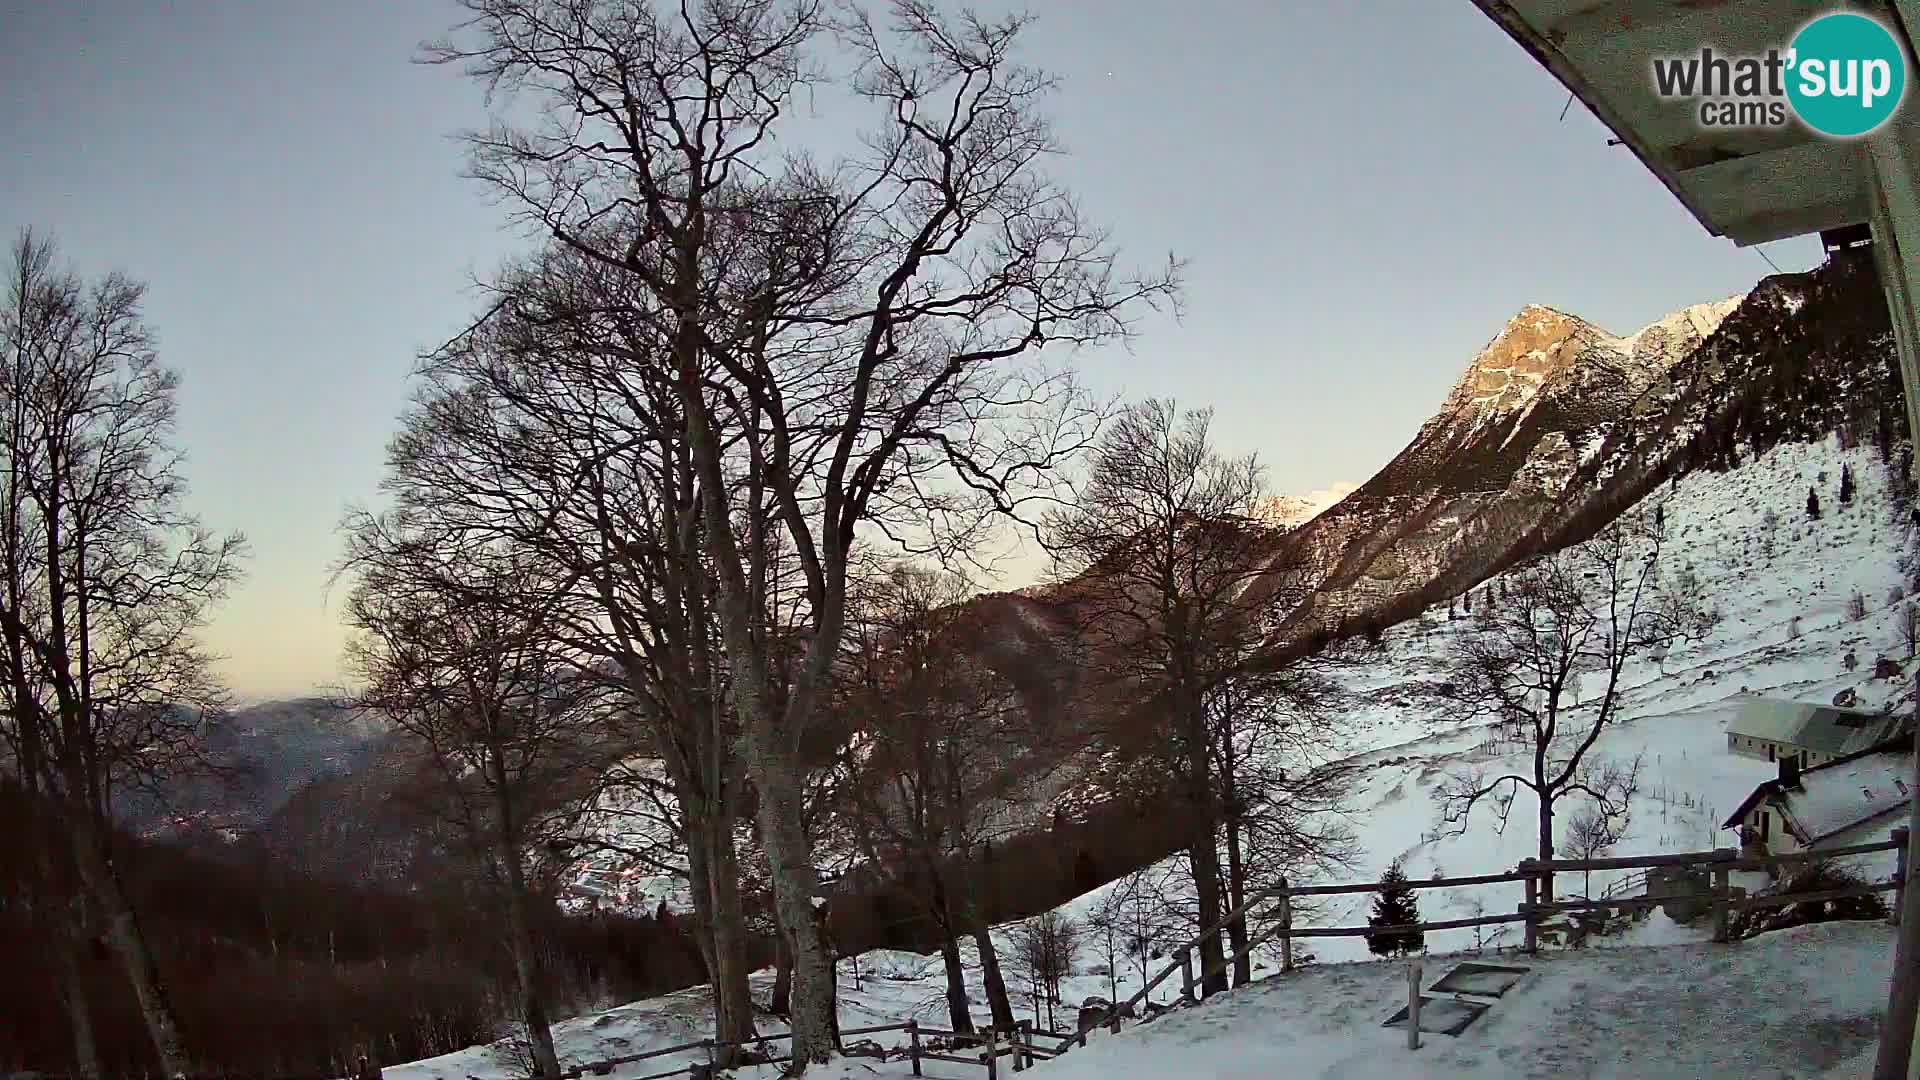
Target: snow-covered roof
[(1831, 798), (1821, 728), (1839, 796)]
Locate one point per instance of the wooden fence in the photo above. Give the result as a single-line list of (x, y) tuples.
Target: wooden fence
[(1021, 1046), (1533, 911)]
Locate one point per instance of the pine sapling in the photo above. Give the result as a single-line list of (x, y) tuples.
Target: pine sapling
[(1395, 905)]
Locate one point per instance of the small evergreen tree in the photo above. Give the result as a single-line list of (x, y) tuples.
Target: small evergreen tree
[(1846, 484), (1813, 505), (1394, 905)]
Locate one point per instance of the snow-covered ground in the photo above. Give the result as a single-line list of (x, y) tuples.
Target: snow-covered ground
[(1782, 591), (1798, 1003), (1789, 1004)]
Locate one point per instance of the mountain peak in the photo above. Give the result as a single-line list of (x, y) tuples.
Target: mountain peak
[(1540, 343)]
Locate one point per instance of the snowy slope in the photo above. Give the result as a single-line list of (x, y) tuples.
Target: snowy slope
[(1675, 712)]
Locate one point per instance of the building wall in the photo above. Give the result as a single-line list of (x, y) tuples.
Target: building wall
[(1773, 750), (1768, 818)]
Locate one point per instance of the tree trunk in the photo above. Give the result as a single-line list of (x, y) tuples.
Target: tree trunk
[(1236, 864), (1546, 845), (789, 857), (1206, 882), (999, 1004), (70, 938), (63, 919), (1237, 896), (781, 1004), (713, 870), (997, 1000), (958, 1012), (732, 995), (86, 1051), (102, 882), (1203, 852), (533, 1005)]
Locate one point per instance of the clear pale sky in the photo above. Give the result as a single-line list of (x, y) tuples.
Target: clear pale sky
[(1366, 191)]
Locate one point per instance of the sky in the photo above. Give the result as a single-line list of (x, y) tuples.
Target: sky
[(1364, 194)]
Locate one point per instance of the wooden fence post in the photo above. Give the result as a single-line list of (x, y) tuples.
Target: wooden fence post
[(1722, 894), (1899, 875), (1186, 974), (913, 1044), (1026, 1044), (993, 1053), (1286, 926), (1413, 1003), (1527, 906)]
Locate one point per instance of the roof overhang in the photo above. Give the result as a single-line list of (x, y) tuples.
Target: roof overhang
[(1750, 185)]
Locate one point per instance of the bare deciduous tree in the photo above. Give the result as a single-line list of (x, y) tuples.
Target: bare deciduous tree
[(542, 427), (933, 740), (108, 579), (1045, 948), (1275, 748), (460, 657), (1577, 614), (1593, 830), (1160, 543), (838, 336)]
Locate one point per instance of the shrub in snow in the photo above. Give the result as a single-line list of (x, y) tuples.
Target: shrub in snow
[(1884, 668), (1895, 595), (1394, 905), (1044, 949), (1813, 506), (1846, 484), (1815, 877), (1850, 661), (1910, 627), (1856, 606)]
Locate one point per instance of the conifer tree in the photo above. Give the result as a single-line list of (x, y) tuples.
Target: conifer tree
[(1846, 484), (1813, 505), (1394, 905)]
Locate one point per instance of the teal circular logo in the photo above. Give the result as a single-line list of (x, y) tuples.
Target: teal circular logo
[(1846, 74)]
